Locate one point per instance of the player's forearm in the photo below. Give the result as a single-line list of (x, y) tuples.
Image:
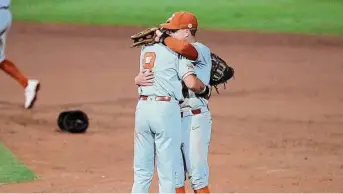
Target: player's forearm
[(182, 47), (194, 84)]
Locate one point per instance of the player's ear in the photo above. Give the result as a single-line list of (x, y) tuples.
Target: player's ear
[(187, 32)]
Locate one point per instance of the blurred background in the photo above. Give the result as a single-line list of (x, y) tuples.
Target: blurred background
[(297, 16)]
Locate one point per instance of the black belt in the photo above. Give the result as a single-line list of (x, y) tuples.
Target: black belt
[(5, 7)]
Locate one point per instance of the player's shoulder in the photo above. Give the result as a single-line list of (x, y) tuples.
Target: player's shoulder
[(202, 47), (152, 46), (203, 50), (158, 47)]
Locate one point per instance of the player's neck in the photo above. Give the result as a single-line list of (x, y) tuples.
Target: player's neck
[(191, 39)]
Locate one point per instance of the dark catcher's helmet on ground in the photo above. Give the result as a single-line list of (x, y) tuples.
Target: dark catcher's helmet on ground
[(74, 121)]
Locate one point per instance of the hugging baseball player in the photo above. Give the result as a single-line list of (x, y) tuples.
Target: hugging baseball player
[(157, 117), (31, 86), (196, 117)]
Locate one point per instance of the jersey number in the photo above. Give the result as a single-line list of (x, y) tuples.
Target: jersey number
[(149, 60)]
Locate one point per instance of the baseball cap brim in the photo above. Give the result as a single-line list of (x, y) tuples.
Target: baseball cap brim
[(169, 26)]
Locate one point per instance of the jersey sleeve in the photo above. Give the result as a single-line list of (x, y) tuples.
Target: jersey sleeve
[(185, 68), (182, 47), (204, 63)]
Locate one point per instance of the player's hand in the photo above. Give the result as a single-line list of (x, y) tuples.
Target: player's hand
[(144, 79), (158, 35)]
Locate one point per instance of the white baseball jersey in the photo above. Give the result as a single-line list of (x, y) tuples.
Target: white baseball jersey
[(203, 71), (168, 70), (5, 3)]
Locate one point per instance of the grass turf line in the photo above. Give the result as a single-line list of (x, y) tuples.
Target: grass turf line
[(11, 169)]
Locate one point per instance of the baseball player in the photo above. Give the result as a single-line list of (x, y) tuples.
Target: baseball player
[(31, 86), (196, 117), (157, 117)]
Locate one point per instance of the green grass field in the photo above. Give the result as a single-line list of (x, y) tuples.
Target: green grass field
[(301, 16), (11, 169)]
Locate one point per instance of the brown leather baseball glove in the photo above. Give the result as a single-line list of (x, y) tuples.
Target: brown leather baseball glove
[(144, 37)]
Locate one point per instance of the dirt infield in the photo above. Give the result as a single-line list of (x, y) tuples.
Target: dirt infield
[(278, 127)]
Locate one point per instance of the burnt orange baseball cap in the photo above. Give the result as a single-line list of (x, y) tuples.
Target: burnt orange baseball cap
[(181, 20)]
